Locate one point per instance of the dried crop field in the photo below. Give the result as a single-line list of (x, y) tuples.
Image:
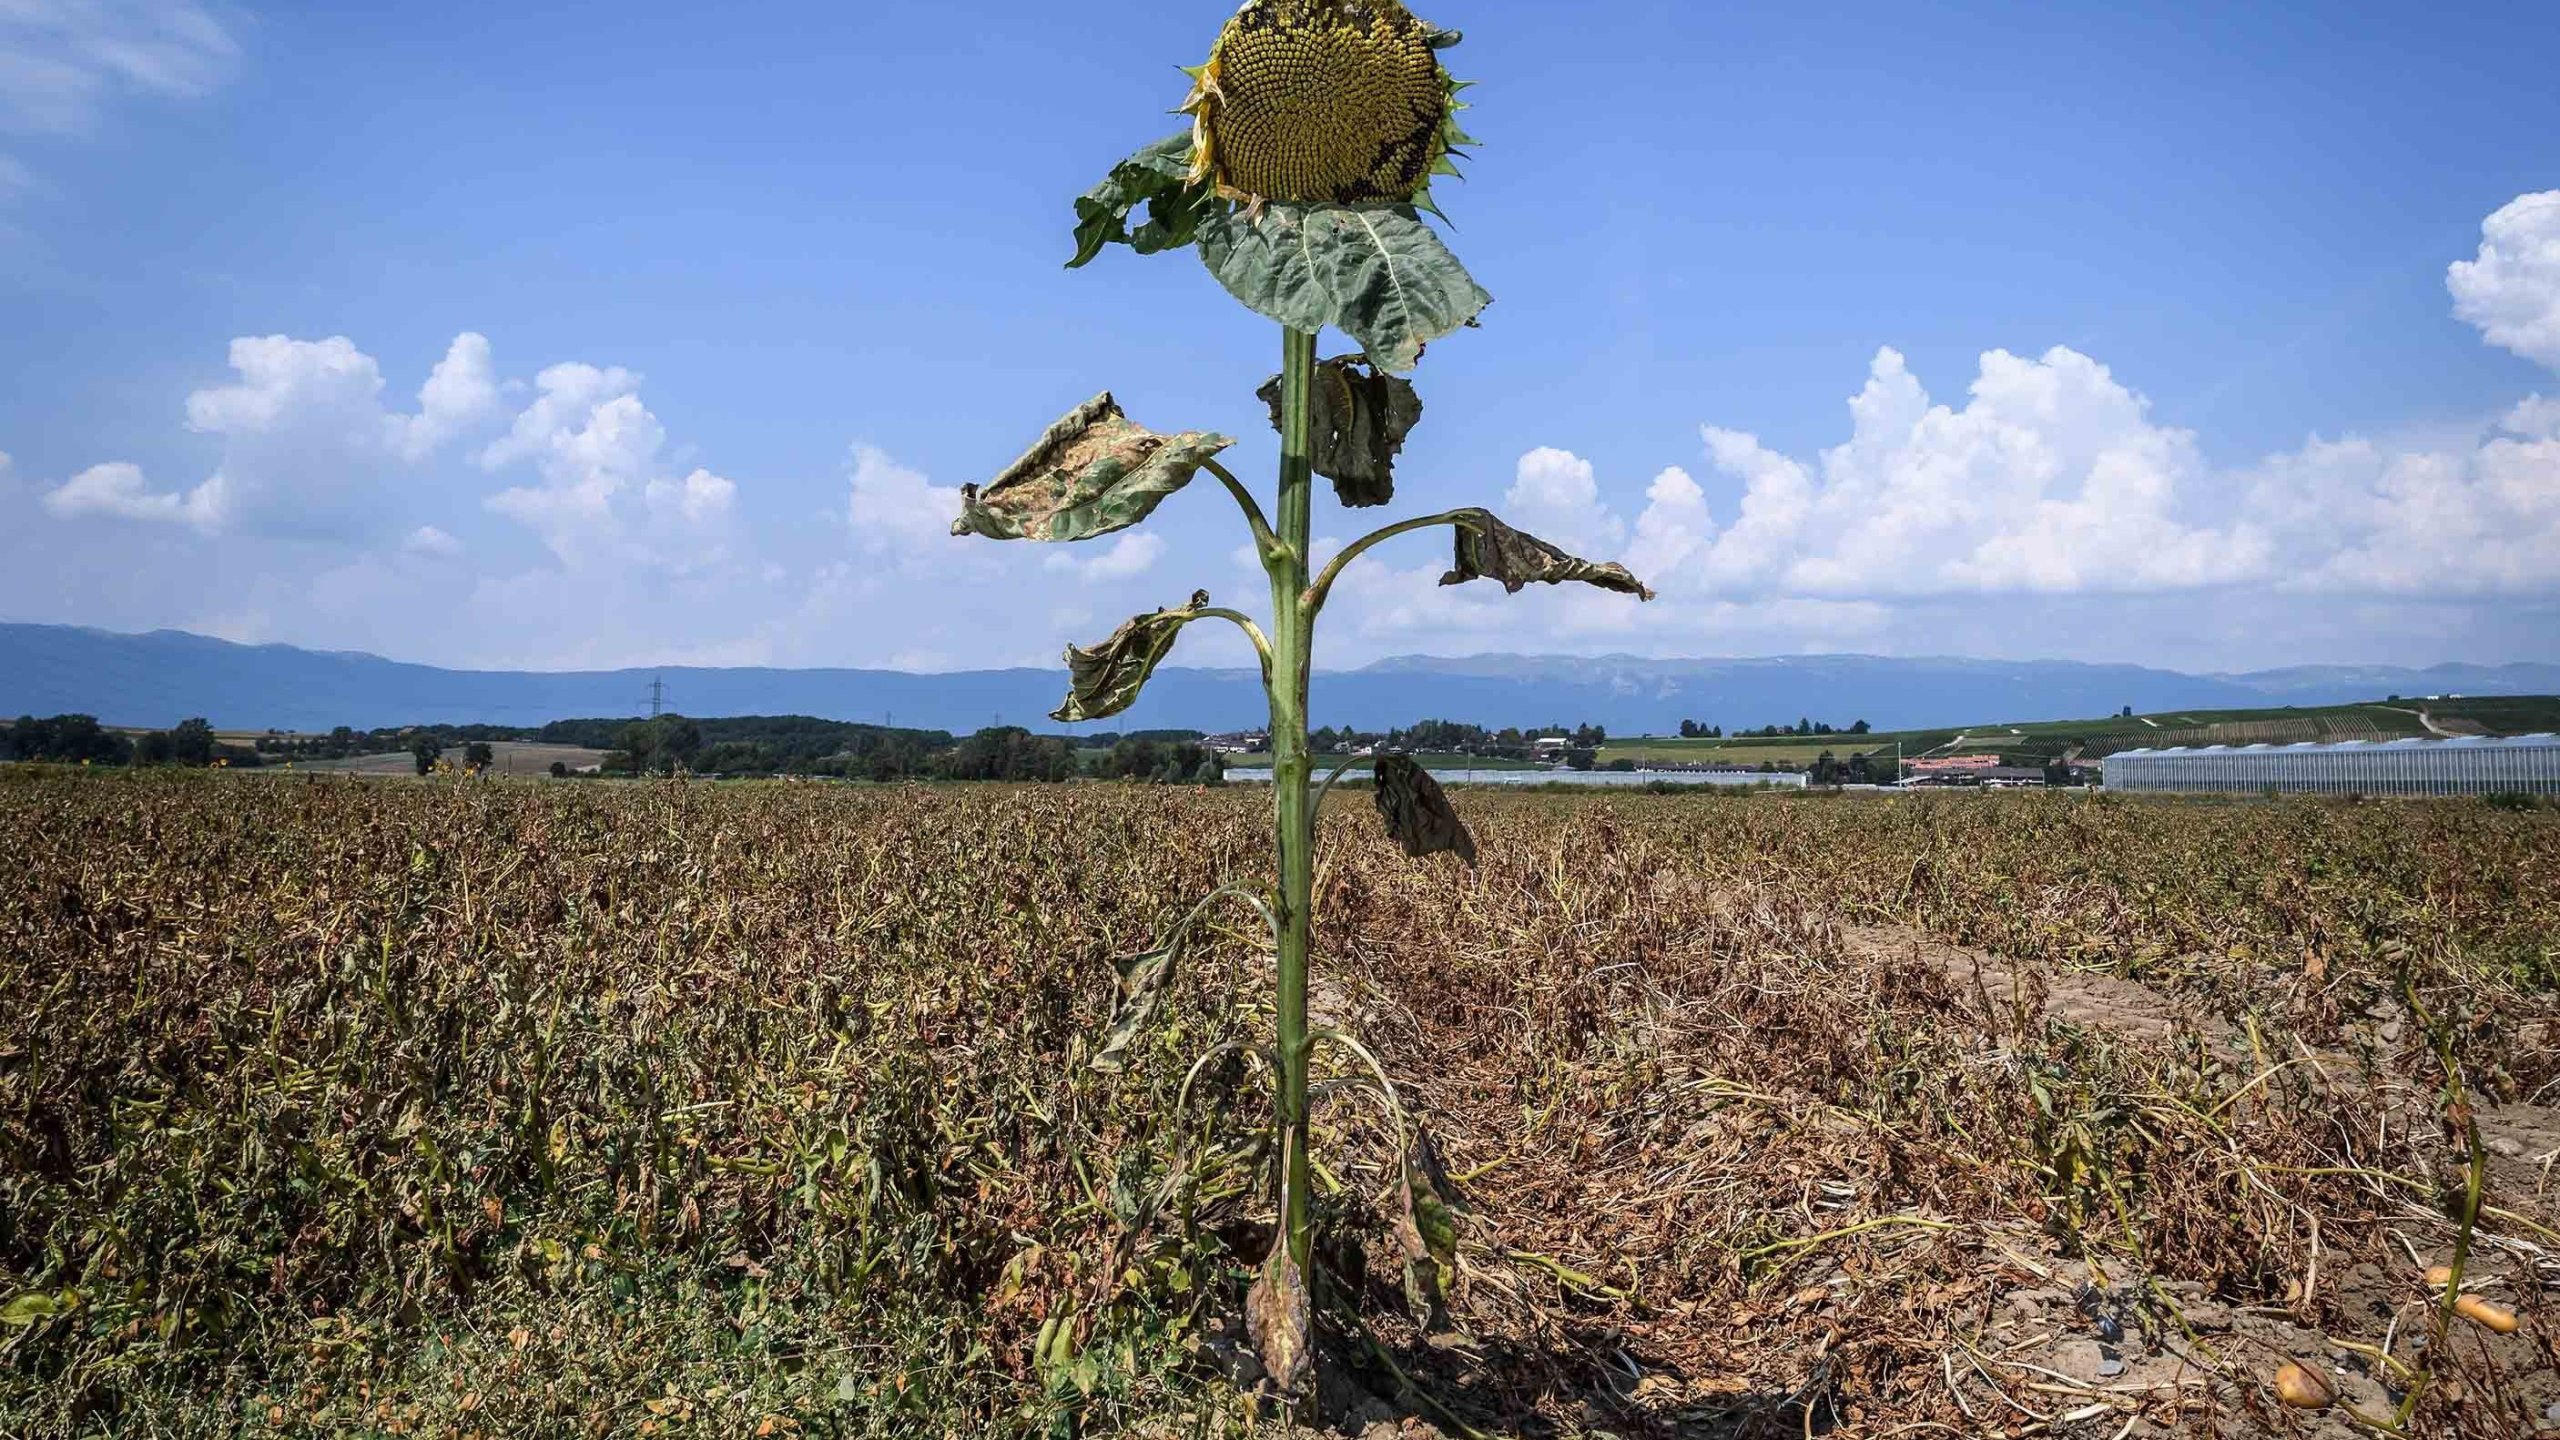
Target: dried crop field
[(332, 1106)]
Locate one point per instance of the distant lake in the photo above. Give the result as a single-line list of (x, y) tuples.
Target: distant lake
[(1467, 776)]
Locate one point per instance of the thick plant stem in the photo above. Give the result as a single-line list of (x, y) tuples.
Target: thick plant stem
[(1294, 826)]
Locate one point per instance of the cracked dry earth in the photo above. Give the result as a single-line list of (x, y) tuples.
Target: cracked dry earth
[(2100, 1337)]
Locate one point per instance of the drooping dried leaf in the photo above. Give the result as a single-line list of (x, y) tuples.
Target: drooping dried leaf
[(1487, 548), (1156, 176), (1417, 811), (1106, 679), (1427, 1229), (1144, 978), (1093, 472), (1279, 1318), (1377, 273), (1362, 415)]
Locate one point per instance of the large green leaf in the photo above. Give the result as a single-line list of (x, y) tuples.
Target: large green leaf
[(1417, 811), (1377, 273), (1157, 176), (1362, 416), (1105, 680), (1093, 472), (1487, 548), (1144, 979)]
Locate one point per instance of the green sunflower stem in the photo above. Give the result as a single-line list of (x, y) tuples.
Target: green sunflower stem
[(1292, 627)]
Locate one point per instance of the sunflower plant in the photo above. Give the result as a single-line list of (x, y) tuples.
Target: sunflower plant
[(1302, 181)]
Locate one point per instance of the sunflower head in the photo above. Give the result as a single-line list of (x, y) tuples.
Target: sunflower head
[(1323, 102)]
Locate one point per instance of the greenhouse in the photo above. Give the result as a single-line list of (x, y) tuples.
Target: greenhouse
[(2460, 765)]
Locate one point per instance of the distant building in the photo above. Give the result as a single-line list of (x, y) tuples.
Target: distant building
[(1237, 742), (2463, 765), (1951, 764), (1550, 747), (1995, 776)]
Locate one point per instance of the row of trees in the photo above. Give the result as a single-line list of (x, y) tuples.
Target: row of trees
[(1860, 769), (1454, 737), (1693, 730), (767, 745), (81, 740), (999, 752)]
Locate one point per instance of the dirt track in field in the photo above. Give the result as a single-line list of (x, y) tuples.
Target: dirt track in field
[(2095, 1349)]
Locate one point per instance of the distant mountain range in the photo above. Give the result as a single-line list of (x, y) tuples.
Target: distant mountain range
[(162, 677)]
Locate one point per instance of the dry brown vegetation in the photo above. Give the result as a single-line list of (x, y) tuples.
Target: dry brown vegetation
[(333, 1106)]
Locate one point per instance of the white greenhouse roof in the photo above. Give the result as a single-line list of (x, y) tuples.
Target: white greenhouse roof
[(2539, 740)]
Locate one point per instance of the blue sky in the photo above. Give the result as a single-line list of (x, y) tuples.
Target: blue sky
[(2210, 337)]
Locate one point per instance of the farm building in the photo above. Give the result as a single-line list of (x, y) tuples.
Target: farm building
[(2462, 765)]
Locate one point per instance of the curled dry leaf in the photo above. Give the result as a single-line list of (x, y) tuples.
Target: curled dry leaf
[(1279, 1318), (1144, 979), (1105, 679), (1093, 472), (1362, 415), (1489, 549), (1427, 1230), (1417, 811), (2304, 1388)]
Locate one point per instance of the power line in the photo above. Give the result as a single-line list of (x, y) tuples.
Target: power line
[(657, 696)]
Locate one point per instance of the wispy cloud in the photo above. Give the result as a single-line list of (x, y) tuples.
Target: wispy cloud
[(64, 62)]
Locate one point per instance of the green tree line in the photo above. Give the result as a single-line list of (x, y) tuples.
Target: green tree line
[(81, 740)]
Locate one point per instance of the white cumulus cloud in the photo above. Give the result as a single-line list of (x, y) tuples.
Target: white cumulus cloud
[(2511, 289), (2052, 477), (604, 494), (307, 444), (117, 489), (460, 394), (896, 511), (1675, 522), (1130, 554), (1555, 495), (428, 540), (700, 498), (2535, 417), (2360, 516)]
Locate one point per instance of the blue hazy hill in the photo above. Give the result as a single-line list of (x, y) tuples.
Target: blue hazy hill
[(159, 678)]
